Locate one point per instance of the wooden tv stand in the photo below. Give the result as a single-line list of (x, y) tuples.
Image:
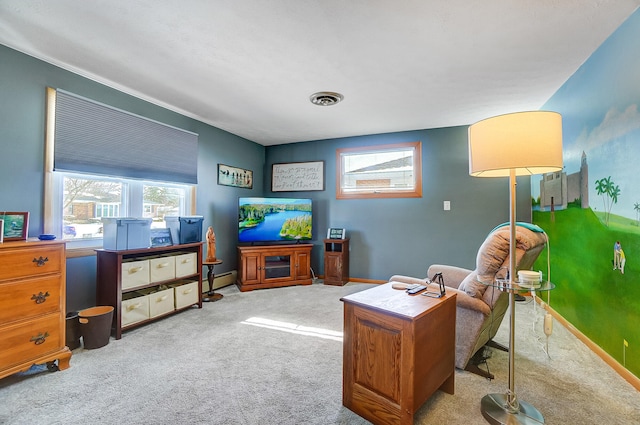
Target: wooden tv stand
[(272, 266)]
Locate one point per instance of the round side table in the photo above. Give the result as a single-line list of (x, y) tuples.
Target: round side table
[(211, 295)]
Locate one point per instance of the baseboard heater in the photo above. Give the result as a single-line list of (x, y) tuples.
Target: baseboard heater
[(220, 280)]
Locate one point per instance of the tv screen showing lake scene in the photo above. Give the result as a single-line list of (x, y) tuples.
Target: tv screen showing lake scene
[(274, 219)]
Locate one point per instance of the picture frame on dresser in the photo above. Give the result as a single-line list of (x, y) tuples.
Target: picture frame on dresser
[(336, 233), (16, 225)]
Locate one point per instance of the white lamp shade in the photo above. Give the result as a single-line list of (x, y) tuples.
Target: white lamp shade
[(527, 142)]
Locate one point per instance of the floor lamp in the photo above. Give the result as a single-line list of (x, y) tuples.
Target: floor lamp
[(518, 144)]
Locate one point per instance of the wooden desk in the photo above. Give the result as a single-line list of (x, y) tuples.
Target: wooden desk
[(398, 350)]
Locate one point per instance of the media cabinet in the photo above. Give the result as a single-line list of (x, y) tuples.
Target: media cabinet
[(272, 266)]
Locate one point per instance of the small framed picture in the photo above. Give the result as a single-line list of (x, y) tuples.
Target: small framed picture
[(16, 225), (234, 176), (334, 233), (160, 237)]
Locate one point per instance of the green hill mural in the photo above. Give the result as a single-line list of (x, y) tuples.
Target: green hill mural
[(601, 302)]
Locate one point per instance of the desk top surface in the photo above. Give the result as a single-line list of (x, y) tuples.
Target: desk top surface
[(396, 301)]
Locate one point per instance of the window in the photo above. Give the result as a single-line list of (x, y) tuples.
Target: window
[(387, 171), (107, 209), (84, 202), (103, 162), (81, 201), (160, 200)]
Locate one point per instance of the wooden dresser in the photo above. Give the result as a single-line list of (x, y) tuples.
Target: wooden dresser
[(32, 306)]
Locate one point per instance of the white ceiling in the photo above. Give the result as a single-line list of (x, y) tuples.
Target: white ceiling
[(249, 66)]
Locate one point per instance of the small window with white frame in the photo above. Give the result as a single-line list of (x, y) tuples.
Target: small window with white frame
[(81, 201), (386, 171)]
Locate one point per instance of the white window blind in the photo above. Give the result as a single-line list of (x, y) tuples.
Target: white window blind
[(94, 138)]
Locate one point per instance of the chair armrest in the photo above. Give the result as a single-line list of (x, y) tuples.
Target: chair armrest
[(408, 279), (466, 301), (453, 276)]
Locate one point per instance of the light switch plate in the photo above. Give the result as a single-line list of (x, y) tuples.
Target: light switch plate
[(447, 205)]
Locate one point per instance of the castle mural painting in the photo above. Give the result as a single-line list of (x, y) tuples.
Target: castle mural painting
[(558, 189), (591, 210), (591, 214)]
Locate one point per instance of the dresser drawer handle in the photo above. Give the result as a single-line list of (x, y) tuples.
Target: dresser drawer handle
[(133, 270), (39, 339), (40, 298), (40, 261)]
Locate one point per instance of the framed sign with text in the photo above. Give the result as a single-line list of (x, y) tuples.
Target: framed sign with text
[(297, 176)]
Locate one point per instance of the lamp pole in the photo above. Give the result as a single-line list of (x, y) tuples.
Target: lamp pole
[(506, 409), (512, 399)]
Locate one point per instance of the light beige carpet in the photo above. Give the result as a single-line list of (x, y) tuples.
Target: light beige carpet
[(275, 357)]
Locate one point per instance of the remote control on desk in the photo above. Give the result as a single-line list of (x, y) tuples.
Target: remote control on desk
[(416, 289)]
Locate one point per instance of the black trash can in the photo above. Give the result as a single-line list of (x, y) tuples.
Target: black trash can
[(72, 338), (95, 326)]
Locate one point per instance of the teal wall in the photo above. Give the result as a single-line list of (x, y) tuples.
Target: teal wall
[(388, 236), (23, 82), (405, 236), (601, 120)]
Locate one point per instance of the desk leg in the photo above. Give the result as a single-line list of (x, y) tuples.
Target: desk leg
[(211, 295)]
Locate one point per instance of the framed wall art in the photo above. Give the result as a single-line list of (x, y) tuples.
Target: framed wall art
[(297, 176), (16, 225), (234, 176)]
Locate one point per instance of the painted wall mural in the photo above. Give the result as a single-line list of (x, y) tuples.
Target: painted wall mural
[(591, 210)]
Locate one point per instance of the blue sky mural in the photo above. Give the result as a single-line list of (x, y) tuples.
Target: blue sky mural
[(601, 117)]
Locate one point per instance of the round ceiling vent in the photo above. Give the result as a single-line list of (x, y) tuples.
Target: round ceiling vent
[(325, 98)]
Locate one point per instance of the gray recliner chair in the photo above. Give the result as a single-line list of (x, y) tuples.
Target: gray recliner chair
[(481, 308)]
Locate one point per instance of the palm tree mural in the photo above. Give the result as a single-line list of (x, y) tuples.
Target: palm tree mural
[(610, 193)]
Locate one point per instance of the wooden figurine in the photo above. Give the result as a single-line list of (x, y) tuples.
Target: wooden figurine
[(211, 245)]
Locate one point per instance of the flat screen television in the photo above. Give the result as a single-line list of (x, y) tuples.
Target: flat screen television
[(274, 220)]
